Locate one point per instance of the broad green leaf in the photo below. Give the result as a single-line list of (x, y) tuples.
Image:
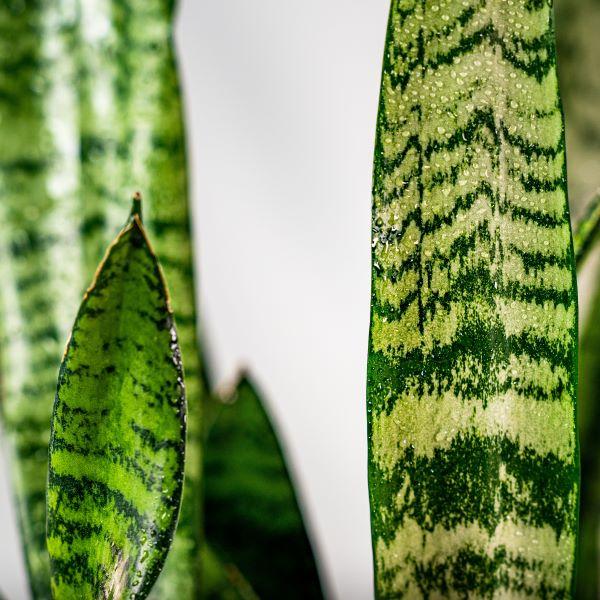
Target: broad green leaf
[(252, 516), (135, 139), (473, 453), (41, 279), (118, 432), (586, 231)]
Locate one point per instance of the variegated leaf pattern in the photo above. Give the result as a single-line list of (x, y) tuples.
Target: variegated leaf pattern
[(118, 432), (473, 453), (136, 139)]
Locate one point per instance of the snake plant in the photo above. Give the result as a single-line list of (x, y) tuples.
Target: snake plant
[(473, 453), (91, 110), (118, 431)]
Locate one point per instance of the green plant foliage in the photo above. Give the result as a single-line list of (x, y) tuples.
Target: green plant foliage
[(90, 111), (586, 231), (577, 23), (41, 279), (118, 431), (473, 453), (135, 140), (252, 516)]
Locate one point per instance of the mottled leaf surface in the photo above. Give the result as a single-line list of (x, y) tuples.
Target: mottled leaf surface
[(473, 452), (252, 516), (135, 140), (118, 432)]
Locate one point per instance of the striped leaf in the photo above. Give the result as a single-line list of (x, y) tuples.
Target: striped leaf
[(252, 516), (473, 454), (135, 139), (118, 431), (39, 245)]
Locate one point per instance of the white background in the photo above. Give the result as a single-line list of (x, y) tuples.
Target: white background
[(281, 99)]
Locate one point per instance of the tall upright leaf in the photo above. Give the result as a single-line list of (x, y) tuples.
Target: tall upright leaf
[(39, 244), (118, 432), (135, 138), (252, 515), (473, 454)]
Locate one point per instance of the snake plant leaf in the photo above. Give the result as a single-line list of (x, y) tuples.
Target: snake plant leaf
[(473, 453), (39, 232), (252, 516), (135, 138), (118, 432), (586, 231)]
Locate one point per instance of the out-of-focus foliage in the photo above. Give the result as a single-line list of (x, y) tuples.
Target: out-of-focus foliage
[(252, 515), (578, 45), (577, 27)]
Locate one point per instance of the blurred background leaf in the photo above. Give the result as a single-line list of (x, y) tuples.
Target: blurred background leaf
[(577, 26), (252, 515)]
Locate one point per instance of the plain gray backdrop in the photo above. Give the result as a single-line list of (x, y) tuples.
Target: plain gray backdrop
[(281, 99)]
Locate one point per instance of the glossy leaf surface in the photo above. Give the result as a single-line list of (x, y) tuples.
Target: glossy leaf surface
[(252, 515), (135, 140), (473, 452), (118, 432)]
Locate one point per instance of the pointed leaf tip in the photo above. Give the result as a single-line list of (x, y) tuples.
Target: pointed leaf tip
[(136, 206)]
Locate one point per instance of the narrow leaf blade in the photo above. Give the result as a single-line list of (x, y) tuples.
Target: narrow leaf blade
[(473, 453), (118, 432), (252, 515)]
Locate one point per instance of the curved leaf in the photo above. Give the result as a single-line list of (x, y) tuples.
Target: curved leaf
[(252, 515), (118, 432), (473, 453)]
